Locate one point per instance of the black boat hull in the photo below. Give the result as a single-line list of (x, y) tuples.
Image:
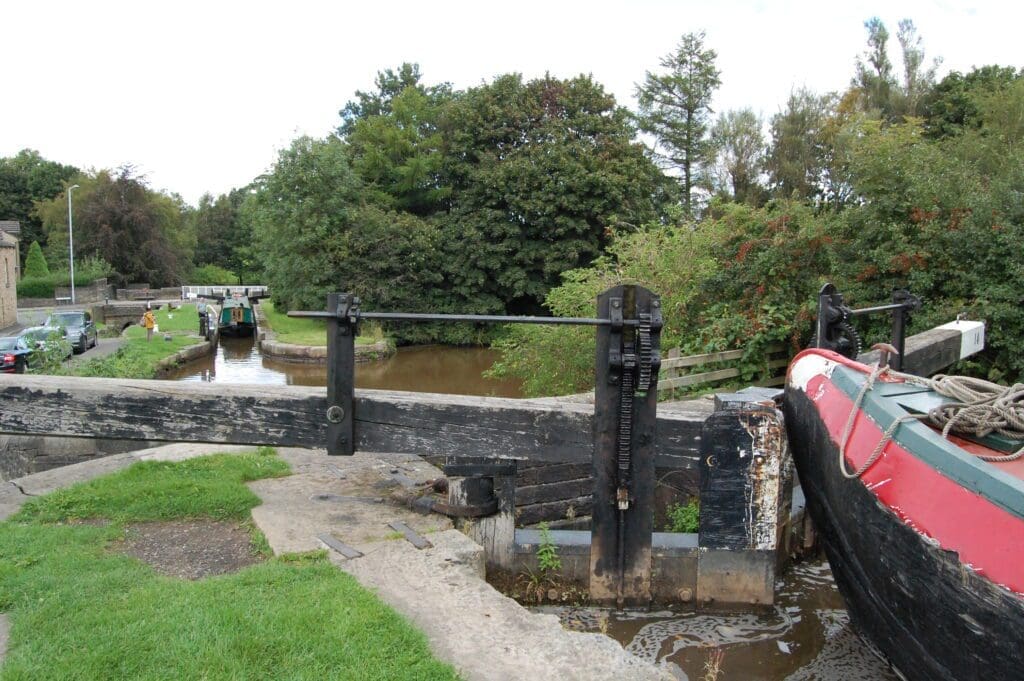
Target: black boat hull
[(237, 330), (934, 618)]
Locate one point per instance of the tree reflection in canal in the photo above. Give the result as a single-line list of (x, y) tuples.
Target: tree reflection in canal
[(433, 368)]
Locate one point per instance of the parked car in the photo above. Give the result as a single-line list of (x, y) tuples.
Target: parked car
[(14, 355), (46, 337), (78, 326)]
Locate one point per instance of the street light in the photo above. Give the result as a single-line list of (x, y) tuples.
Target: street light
[(71, 243)]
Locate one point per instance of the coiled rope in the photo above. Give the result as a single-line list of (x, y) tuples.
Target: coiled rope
[(982, 408)]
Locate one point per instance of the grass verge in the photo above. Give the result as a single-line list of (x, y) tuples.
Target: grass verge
[(308, 331), (81, 611), (138, 358)]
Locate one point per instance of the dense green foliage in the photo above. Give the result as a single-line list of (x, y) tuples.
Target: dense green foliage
[(79, 608), (940, 217), (212, 275), (540, 171), (141, 233), (223, 238), (25, 179), (474, 201), (35, 262)]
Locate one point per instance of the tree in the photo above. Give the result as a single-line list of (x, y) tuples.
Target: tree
[(398, 154), (873, 77), (35, 263), (675, 107), (739, 140), (389, 84), (796, 159), (953, 105), (542, 172), (223, 235), (120, 220), (317, 236), (24, 180), (881, 94), (918, 81)]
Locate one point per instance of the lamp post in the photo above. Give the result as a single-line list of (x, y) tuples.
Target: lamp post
[(71, 243)]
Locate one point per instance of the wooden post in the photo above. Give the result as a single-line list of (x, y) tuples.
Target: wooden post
[(745, 485), (620, 547), (495, 532), (341, 366)]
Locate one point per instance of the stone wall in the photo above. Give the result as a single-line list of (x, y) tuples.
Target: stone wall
[(25, 454), (8, 281), (96, 292), (144, 292)]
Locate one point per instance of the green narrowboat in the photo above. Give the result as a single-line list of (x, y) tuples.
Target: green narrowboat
[(236, 316)]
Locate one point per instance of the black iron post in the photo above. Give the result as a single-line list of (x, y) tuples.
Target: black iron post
[(341, 365), (824, 307), (900, 317)]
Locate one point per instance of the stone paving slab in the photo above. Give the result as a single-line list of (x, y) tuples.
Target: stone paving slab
[(441, 590)]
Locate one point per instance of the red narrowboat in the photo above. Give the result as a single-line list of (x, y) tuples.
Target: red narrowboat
[(924, 533)]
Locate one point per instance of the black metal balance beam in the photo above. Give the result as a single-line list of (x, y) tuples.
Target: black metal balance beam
[(475, 318)]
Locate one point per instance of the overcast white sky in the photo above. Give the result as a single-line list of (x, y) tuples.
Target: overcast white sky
[(200, 96)]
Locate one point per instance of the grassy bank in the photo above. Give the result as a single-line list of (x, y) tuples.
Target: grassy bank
[(80, 609), (309, 331), (138, 358)]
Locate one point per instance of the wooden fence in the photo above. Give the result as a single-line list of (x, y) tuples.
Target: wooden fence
[(713, 368)]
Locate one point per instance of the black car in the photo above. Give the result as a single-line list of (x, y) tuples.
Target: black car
[(14, 355), (78, 326)]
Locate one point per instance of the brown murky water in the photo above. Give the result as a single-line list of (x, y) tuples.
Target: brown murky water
[(433, 368), (806, 636)]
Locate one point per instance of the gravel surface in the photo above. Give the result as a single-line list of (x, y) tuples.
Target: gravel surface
[(191, 549)]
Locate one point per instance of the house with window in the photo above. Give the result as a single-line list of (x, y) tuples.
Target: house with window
[(8, 279)]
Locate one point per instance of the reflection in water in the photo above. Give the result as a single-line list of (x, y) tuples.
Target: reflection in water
[(805, 637), (434, 368)]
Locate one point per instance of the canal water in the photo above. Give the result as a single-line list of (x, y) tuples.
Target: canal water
[(433, 368), (806, 636)]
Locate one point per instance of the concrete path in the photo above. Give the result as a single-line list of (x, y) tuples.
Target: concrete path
[(440, 589), (104, 347)]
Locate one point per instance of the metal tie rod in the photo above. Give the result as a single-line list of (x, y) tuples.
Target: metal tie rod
[(879, 308), (500, 319)]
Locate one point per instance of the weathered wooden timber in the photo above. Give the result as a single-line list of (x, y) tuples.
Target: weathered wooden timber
[(926, 353), (295, 416), (744, 456), (622, 513)]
